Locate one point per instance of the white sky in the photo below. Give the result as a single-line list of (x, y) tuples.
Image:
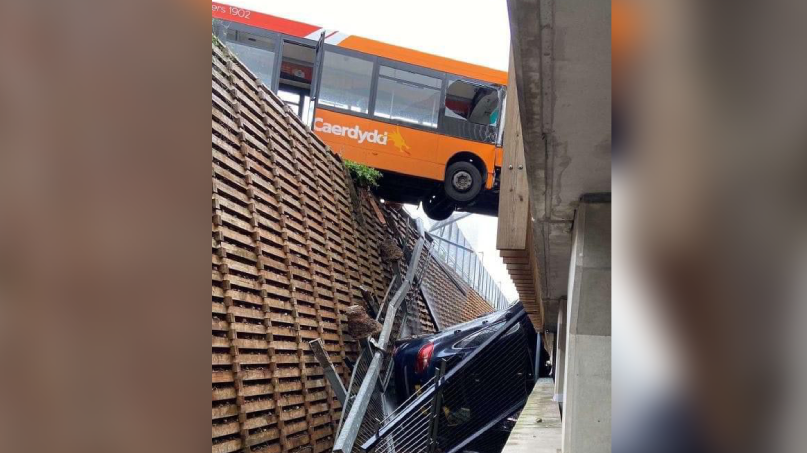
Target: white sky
[(474, 31)]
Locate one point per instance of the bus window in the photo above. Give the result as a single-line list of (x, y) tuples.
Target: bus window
[(408, 97), (292, 99), (255, 51), (346, 82), (477, 104)]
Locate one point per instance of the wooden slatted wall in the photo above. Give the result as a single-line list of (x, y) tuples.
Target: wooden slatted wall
[(289, 255), (453, 300)]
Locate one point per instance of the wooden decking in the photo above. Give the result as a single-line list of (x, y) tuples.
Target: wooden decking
[(538, 429)]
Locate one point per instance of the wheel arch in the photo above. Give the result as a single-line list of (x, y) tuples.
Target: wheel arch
[(473, 158)]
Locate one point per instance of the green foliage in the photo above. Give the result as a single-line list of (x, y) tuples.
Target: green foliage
[(363, 175), (217, 42)]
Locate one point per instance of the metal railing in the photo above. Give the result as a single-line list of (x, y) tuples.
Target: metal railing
[(364, 409), (454, 250)]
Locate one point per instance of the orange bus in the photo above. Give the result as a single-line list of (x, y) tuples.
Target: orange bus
[(432, 125)]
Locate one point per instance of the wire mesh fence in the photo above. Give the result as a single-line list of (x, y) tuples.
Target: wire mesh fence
[(394, 413), (359, 372), (410, 434), (372, 419), (411, 310)]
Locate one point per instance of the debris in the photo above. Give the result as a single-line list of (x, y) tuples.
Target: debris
[(377, 210), (359, 324), (370, 300), (390, 252), (394, 206)]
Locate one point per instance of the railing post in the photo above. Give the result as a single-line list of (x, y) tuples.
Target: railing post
[(318, 348), (437, 403)]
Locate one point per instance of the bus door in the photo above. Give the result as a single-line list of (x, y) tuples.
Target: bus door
[(295, 75), (315, 83), (502, 116)]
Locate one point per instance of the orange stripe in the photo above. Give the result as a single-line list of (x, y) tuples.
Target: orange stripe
[(265, 21), (423, 59)]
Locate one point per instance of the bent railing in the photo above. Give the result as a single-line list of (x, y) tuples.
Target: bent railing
[(363, 411)]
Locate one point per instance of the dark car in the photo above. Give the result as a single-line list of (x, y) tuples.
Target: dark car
[(415, 360)]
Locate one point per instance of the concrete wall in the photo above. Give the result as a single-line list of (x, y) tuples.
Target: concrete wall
[(587, 406), (562, 64)]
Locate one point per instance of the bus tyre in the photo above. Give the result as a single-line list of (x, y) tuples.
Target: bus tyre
[(463, 181), (438, 207)]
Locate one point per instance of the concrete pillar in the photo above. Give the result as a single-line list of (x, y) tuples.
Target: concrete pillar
[(587, 407), (560, 355)]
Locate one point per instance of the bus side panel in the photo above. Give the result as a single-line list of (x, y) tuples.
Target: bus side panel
[(406, 165), (486, 152), (396, 148), (499, 156), (381, 145)]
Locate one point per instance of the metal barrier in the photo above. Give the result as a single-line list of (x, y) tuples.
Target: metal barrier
[(456, 252), (475, 395)]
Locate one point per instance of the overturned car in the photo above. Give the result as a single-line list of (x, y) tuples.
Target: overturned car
[(462, 389)]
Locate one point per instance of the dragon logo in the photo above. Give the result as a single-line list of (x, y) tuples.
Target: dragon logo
[(398, 141), (361, 136)]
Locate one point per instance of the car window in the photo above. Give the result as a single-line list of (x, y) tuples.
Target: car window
[(513, 329), (474, 103), (477, 338)]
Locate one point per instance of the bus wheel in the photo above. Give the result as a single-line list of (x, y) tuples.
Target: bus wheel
[(438, 207), (463, 181)]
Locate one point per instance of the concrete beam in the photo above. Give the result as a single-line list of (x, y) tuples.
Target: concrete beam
[(562, 69)]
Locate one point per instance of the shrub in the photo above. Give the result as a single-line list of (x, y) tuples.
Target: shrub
[(217, 42), (363, 175)]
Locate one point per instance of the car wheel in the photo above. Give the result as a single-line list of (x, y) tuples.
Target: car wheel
[(463, 181), (438, 207)]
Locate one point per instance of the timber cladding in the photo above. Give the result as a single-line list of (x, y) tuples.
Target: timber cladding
[(291, 250), (453, 300)]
